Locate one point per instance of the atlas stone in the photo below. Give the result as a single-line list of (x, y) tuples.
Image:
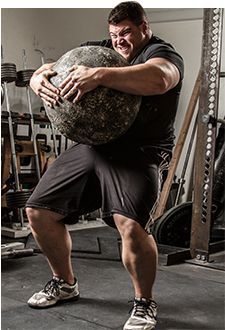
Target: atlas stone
[(102, 114)]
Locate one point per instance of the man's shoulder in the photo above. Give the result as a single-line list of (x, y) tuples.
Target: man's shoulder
[(157, 47), (158, 43)]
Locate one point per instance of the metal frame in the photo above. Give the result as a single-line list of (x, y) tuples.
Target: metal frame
[(206, 134)]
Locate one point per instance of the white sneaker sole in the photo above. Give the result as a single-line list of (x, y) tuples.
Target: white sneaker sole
[(58, 302)]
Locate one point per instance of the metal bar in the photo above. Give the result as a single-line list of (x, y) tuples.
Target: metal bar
[(12, 141), (13, 152), (206, 133), (33, 135), (187, 157), (52, 128)]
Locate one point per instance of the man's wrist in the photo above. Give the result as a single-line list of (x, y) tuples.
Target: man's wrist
[(101, 75)]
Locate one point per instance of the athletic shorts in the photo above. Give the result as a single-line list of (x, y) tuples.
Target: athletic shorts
[(124, 179)]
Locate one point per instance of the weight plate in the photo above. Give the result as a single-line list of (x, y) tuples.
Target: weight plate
[(20, 83), (174, 227), (8, 66), (17, 199), (23, 77), (7, 78)]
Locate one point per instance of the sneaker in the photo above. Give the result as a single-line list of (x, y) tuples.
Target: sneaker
[(143, 316), (55, 291)]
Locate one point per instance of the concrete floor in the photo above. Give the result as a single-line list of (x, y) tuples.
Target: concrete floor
[(189, 296)]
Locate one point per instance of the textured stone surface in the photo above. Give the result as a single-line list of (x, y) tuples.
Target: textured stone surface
[(102, 114)]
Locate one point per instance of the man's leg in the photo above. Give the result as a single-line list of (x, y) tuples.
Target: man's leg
[(139, 255), (54, 240)]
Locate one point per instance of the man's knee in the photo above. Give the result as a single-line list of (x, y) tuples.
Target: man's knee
[(35, 215), (31, 213), (128, 228)]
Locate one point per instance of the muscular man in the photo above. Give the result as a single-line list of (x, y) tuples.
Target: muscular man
[(122, 177)]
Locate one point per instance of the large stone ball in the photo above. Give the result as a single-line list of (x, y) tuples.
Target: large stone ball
[(102, 114)]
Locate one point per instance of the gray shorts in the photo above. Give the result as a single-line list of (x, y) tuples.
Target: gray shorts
[(123, 180)]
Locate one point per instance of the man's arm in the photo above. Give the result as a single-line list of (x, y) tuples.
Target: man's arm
[(154, 77), (42, 87), (40, 79)]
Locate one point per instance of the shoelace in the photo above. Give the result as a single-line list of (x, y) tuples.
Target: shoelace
[(142, 308), (52, 287)]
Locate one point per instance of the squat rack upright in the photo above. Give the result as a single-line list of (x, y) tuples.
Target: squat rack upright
[(200, 246)]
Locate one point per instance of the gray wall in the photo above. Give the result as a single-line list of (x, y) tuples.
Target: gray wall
[(55, 31)]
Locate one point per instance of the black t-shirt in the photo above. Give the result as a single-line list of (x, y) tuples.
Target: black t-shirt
[(154, 124)]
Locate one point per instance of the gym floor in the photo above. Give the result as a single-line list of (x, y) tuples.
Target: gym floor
[(189, 296)]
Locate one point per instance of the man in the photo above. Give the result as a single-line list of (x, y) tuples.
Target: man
[(122, 177)]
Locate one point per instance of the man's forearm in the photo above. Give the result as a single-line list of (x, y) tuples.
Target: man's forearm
[(142, 79)]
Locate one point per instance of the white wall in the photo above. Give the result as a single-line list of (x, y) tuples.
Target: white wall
[(52, 30), (55, 31)]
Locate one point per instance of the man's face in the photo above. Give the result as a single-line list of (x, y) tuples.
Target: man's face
[(127, 38)]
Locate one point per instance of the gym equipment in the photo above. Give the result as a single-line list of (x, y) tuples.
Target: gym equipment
[(174, 226), (102, 114), (177, 151), (191, 223), (8, 75), (8, 72), (17, 199), (206, 134), (42, 139), (23, 77), (2, 94), (15, 250), (218, 188), (42, 55), (181, 180), (23, 118), (23, 80)]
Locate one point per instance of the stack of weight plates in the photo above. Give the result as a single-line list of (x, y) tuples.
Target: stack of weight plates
[(8, 72), (23, 77)]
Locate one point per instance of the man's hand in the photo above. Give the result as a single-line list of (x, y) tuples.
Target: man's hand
[(42, 87), (81, 80)]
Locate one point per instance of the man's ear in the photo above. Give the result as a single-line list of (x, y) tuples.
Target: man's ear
[(145, 27)]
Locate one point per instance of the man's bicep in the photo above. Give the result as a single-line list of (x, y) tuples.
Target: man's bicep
[(171, 73)]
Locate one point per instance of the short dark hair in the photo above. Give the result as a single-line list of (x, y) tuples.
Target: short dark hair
[(130, 10)]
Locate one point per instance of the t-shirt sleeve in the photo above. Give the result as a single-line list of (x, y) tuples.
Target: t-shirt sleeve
[(167, 52)]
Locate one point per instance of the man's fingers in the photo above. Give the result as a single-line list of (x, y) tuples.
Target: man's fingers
[(67, 87), (47, 95), (74, 67), (46, 90), (72, 91), (47, 85), (44, 67), (78, 96), (47, 98), (65, 82)]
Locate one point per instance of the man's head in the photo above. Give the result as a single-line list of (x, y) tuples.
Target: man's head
[(128, 28)]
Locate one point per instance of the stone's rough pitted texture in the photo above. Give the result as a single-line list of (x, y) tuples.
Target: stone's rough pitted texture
[(102, 114)]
